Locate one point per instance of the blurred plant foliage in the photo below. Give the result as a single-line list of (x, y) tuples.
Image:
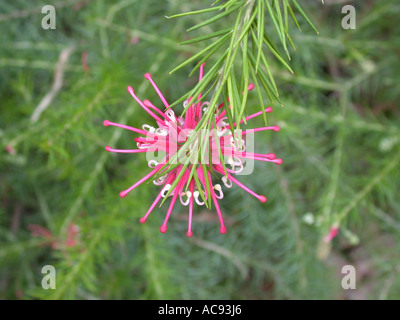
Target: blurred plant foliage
[(338, 110)]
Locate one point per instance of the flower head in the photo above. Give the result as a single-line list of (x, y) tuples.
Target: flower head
[(72, 236), (186, 156), (334, 230)]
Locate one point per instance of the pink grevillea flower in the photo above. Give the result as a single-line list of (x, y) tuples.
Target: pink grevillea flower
[(332, 234), (10, 149), (169, 137), (51, 240)]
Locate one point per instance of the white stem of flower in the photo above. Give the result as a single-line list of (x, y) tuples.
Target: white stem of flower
[(161, 132), (196, 195), (160, 181), (171, 115), (188, 194), (148, 128), (153, 163), (218, 188), (165, 190), (227, 182)]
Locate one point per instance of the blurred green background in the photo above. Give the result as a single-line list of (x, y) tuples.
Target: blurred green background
[(339, 140)]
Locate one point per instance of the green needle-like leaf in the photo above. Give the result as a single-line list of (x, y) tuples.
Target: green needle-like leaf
[(215, 18), (206, 37), (295, 3), (260, 31)]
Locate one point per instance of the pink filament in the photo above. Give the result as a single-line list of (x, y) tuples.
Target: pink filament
[(221, 105), (267, 110), (250, 87), (148, 104), (222, 228), (145, 140), (202, 180), (132, 92), (269, 156), (144, 218), (189, 233), (198, 107), (177, 190), (230, 151), (277, 160), (259, 197), (147, 176), (201, 71), (108, 123), (275, 128), (148, 77), (109, 149), (222, 114), (189, 121), (332, 233)]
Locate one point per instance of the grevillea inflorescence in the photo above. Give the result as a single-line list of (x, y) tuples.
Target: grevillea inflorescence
[(189, 177)]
